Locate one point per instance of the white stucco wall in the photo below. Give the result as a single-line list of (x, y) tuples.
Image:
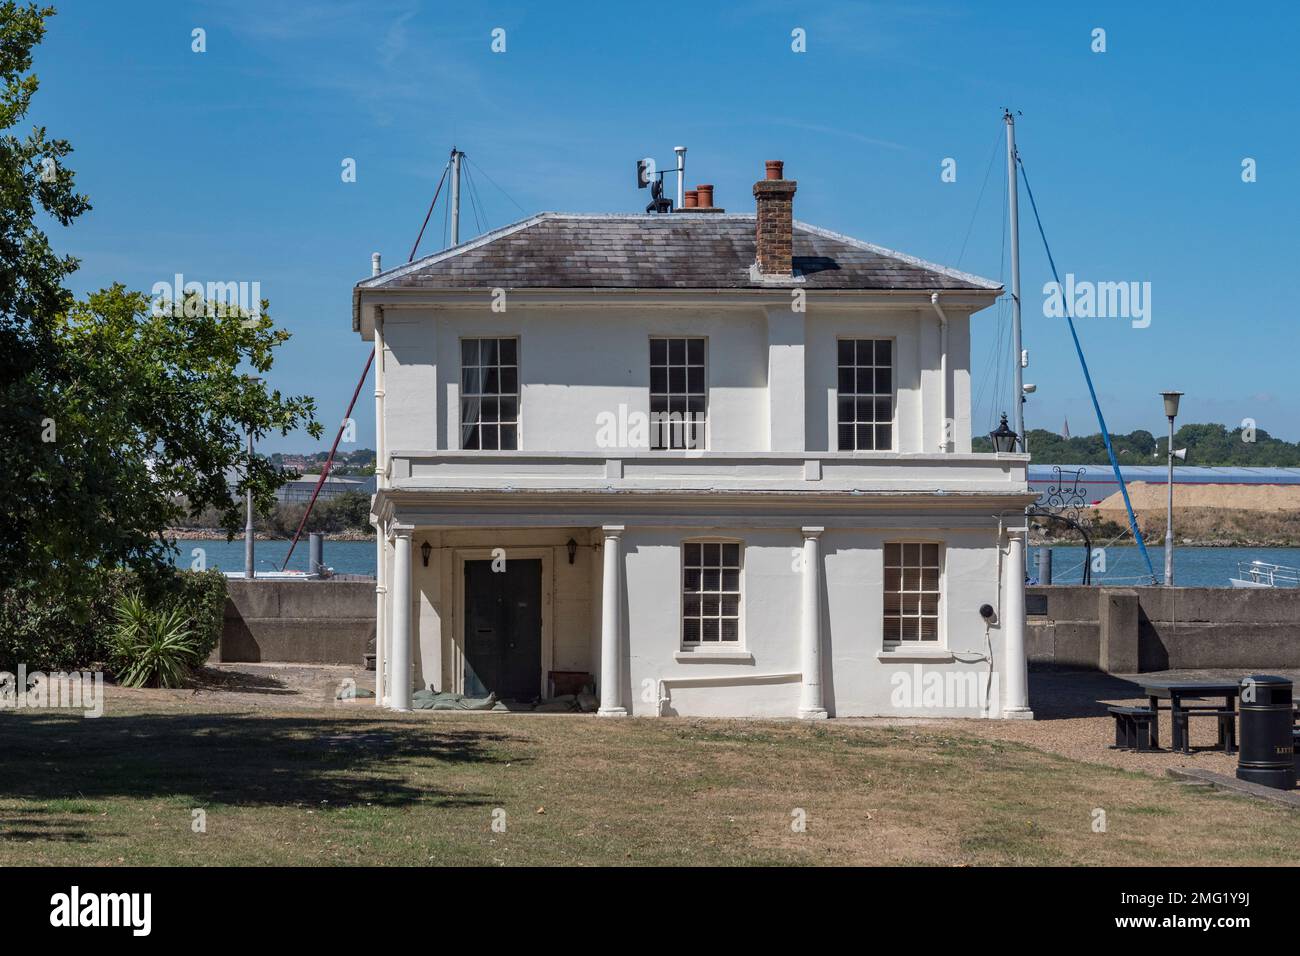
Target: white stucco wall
[(762, 369), (857, 682)]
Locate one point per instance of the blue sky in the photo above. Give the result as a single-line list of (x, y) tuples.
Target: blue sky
[(225, 165)]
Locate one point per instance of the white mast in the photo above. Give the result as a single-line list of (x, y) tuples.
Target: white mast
[(455, 196), (1014, 213)]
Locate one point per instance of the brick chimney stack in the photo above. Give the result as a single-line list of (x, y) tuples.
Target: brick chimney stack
[(774, 197)]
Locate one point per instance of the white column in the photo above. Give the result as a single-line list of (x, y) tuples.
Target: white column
[(811, 703), (1013, 625), (399, 694), (381, 622), (611, 625)]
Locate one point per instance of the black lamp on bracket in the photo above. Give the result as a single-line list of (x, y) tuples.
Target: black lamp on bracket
[(1004, 439), (425, 550), (572, 547)]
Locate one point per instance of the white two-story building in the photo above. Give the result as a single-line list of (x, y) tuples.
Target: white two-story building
[(708, 464)]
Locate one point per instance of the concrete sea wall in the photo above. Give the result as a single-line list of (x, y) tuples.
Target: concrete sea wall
[(301, 622), (1118, 630), (1128, 630)]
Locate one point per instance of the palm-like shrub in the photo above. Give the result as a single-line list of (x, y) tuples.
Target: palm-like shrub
[(151, 648)]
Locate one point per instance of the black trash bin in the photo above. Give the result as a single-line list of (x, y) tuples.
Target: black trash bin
[(1267, 754)]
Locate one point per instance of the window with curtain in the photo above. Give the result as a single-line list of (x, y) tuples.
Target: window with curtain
[(489, 394)]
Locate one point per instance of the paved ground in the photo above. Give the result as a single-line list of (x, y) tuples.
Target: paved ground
[(1071, 719), (1069, 707)]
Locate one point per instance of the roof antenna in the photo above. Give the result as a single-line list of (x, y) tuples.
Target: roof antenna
[(648, 175)]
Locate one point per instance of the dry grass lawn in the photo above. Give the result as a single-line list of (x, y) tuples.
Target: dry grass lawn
[(350, 784)]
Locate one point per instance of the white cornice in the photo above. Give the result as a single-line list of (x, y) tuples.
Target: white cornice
[(394, 300)]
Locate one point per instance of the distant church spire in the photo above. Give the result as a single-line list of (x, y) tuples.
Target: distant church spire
[(1065, 429)]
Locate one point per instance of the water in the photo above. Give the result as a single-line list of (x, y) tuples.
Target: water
[(345, 557), (1124, 567), (1193, 567)]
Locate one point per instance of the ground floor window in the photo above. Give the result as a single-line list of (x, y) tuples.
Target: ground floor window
[(710, 593), (911, 592)]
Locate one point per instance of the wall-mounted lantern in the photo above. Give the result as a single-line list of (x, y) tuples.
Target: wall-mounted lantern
[(572, 547), (1004, 439), (425, 550)]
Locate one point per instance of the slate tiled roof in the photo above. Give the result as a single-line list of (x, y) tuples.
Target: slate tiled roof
[(673, 251)]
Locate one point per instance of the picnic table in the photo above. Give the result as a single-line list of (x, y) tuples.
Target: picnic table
[(1178, 691)]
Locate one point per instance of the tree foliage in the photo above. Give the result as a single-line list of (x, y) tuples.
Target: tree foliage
[(33, 181), (1207, 445), (116, 416), (152, 421)]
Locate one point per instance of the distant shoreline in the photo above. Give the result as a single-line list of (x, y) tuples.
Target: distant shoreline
[(1153, 541), (210, 534)]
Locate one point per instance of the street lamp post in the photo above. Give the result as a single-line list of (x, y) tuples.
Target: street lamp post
[(249, 573), (1171, 412), (248, 512)]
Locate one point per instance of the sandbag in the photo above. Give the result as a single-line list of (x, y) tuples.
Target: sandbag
[(446, 700)]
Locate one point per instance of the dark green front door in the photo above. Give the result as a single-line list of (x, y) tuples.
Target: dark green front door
[(503, 629)]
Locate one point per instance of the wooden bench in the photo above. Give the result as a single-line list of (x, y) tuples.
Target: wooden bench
[(1133, 727), (1227, 718)]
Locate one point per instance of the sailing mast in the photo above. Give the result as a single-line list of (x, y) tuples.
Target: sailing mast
[(1013, 160), (1014, 216), (455, 195)]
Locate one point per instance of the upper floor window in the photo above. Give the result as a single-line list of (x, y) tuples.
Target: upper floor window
[(865, 395), (710, 593), (489, 394), (678, 394), (911, 592)]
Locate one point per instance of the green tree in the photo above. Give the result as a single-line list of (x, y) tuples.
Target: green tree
[(155, 422), (1207, 444), (115, 417), (33, 182)]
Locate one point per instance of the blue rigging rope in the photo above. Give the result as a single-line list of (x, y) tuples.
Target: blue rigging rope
[(1105, 433)]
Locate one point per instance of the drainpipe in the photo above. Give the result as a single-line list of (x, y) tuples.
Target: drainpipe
[(381, 452), (943, 371)]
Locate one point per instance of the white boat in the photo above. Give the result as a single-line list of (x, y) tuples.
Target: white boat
[(1262, 574), (281, 575)]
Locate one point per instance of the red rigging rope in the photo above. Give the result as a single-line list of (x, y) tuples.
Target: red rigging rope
[(329, 462), (411, 257), (370, 359), (324, 472)]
